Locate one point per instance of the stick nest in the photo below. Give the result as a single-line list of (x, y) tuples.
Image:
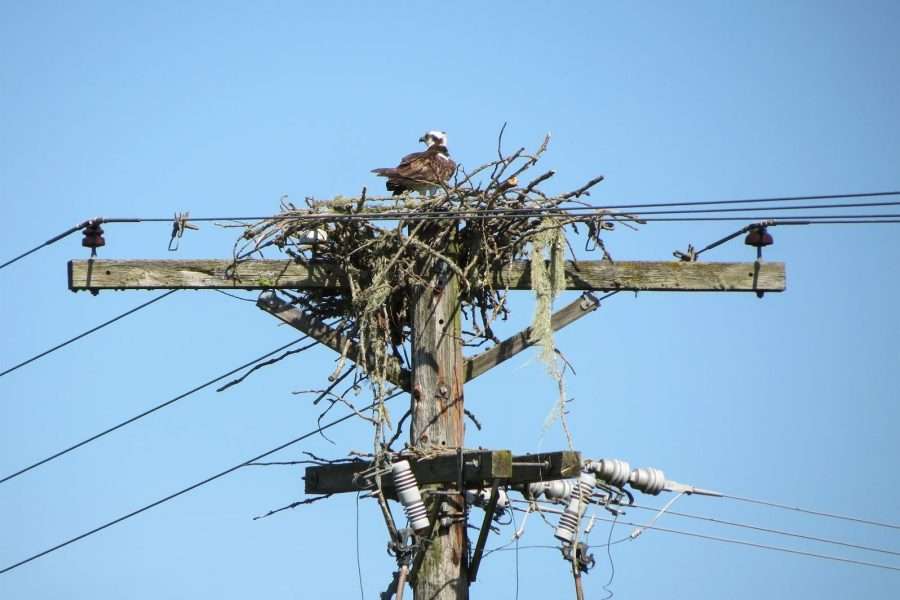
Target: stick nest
[(469, 229)]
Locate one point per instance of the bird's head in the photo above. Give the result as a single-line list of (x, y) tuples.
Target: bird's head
[(434, 137)]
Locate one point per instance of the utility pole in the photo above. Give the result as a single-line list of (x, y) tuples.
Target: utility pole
[(437, 415), (438, 374)]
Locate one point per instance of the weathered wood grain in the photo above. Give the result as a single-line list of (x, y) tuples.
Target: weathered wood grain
[(483, 362), (648, 276), (663, 276), (437, 421), (479, 468), (200, 274), (545, 466), (318, 330)]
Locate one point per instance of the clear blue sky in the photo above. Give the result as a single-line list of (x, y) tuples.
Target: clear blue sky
[(144, 109)]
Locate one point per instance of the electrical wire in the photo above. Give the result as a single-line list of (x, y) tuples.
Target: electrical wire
[(811, 512), (362, 593), (515, 525), (149, 411), (612, 565), (477, 214), (774, 531), (52, 240), (762, 546), (721, 539), (194, 486), (530, 547), (398, 214), (537, 212), (88, 332), (493, 213), (762, 529)]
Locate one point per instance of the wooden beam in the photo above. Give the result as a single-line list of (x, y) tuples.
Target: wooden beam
[(545, 466), (200, 274), (648, 276), (329, 337), (437, 418), (480, 467), (485, 361), (663, 276)]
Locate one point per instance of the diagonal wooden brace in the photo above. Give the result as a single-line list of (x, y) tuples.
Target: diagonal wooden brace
[(481, 363), (485, 528), (328, 336)]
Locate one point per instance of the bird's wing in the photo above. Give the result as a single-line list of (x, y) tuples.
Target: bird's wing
[(403, 167), (431, 166)]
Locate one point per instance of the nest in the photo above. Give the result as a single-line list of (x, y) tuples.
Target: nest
[(470, 228)]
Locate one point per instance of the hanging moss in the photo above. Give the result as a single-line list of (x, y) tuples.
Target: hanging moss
[(430, 239)]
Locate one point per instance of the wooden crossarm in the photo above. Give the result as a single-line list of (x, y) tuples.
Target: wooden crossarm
[(328, 336), (485, 361), (480, 468), (649, 276)]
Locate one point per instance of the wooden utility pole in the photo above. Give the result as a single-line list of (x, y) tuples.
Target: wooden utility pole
[(437, 422), (439, 370)]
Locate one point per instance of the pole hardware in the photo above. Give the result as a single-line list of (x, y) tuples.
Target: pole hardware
[(93, 236)]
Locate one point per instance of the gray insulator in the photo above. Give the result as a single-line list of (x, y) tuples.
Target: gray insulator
[(578, 502), (648, 480), (556, 490), (611, 470), (482, 497), (409, 495)]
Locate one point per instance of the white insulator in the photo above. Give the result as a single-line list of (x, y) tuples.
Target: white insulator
[(536, 490), (556, 490), (482, 497), (611, 470), (312, 236), (409, 495), (559, 489), (648, 480), (567, 528)]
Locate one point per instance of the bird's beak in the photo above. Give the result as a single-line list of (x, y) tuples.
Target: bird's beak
[(422, 139)]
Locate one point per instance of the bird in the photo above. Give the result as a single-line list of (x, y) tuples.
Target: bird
[(422, 171)]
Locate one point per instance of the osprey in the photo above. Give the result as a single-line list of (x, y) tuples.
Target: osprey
[(421, 171)]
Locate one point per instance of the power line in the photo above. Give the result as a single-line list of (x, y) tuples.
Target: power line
[(484, 212), (769, 530), (501, 210), (618, 521), (529, 212), (194, 486), (147, 412), (88, 332), (812, 512), (52, 240), (760, 546)]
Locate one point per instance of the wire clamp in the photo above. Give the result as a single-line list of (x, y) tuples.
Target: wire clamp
[(583, 559), (179, 224), (690, 255)]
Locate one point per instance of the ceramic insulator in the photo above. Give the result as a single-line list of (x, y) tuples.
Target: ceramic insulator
[(409, 495), (578, 501)]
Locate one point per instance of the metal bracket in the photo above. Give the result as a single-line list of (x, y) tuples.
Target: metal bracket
[(179, 224)]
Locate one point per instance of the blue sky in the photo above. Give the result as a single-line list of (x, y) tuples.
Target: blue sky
[(150, 108)]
